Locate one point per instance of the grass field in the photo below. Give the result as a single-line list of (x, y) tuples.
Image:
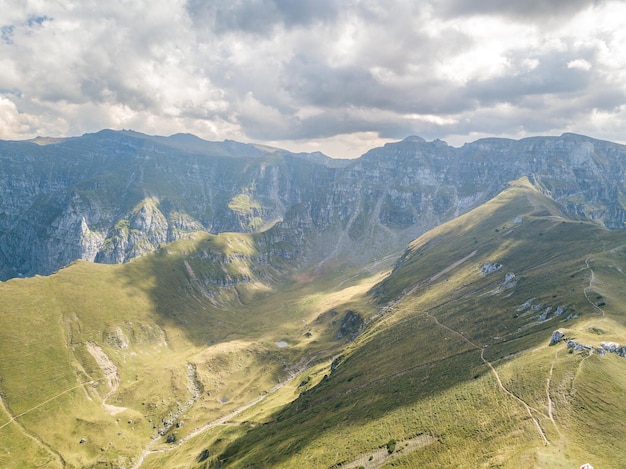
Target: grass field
[(210, 357)]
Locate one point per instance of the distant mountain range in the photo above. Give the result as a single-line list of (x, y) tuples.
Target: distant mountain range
[(114, 195), (421, 306)]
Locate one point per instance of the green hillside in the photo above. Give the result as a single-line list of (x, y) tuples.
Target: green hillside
[(202, 354), (113, 355), (457, 368)]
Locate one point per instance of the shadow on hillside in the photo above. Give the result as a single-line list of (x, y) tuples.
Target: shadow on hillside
[(390, 372), (347, 401), (215, 289)]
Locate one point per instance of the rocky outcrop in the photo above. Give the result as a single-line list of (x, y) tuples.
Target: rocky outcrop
[(490, 267), (578, 347), (557, 336), (545, 312), (612, 347), (350, 326), (112, 196)]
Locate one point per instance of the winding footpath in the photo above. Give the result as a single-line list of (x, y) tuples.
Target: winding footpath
[(548, 382), (503, 388), (15, 417), (592, 279)]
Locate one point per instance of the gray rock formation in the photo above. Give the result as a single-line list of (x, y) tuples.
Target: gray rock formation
[(605, 347), (112, 196), (490, 267), (612, 347), (351, 325), (557, 336), (578, 347)]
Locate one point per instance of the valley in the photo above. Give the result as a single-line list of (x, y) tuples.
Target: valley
[(378, 319)]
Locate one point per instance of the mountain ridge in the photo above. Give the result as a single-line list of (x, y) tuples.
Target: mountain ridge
[(223, 351), (112, 196)]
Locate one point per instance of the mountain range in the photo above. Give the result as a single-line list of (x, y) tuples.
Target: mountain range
[(112, 196), (174, 302)]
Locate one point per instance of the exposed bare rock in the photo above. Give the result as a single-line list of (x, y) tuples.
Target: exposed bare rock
[(351, 325), (490, 267), (116, 338), (557, 336), (112, 196), (578, 347), (612, 347)]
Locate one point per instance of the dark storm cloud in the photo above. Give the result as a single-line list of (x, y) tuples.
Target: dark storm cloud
[(329, 123)]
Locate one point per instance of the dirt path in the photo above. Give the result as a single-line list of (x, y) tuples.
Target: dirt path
[(580, 366), (389, 308), (592, 279), (520, 400), (368, 464), (548, 381), (33, 436), (497, 376), (15, 417), (452, 266)]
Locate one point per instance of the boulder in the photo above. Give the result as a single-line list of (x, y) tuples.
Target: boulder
[(490, 267), (557, 336)]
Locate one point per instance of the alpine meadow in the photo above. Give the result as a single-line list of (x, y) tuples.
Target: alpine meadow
[(175, 302)]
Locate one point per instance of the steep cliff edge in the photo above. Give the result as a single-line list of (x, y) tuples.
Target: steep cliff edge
[(112, 196)]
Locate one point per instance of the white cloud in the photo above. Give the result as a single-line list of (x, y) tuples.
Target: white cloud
[(319, 74), (580, 64), (14, 125)]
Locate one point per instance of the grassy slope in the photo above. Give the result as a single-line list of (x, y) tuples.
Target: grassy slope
[(156, 318), (418, 369)]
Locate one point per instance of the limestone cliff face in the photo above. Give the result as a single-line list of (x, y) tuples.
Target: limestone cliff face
[(112, 196)]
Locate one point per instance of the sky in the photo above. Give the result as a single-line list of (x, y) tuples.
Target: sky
[(337, 76)]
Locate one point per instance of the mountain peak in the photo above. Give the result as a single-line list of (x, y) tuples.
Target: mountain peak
[(414, 139)]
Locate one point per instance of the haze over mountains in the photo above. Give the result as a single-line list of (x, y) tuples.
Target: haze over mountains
[(197, 304), (112, 196)]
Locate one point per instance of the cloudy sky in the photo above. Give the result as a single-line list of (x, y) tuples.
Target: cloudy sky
[(339, 76)]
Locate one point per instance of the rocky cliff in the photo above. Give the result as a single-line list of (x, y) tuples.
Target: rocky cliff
[(112, 196)]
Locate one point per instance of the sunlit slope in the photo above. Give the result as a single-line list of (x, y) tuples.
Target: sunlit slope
[(96, 360), (457, 368)]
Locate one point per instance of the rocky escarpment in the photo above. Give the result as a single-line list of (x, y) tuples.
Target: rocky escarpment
[(578, 347), (112, 196)]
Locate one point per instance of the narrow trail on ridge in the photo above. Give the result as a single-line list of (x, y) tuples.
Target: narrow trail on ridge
[(548, 382), (15, 417), (592, 279), (503, 388), (386, 309), (30, 434), (390, 306)]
